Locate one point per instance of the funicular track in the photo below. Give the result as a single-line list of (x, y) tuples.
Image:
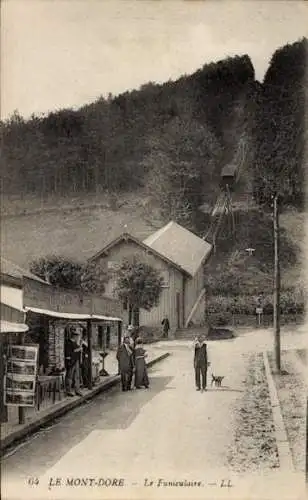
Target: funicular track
[(223, 204)]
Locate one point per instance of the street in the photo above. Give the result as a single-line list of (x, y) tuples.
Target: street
[(169, 432)]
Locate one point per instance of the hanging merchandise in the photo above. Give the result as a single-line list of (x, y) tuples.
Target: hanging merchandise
[(20, 377)]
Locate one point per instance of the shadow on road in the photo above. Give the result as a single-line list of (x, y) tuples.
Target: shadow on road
[(224, 388), (110, 410), (130, 404)]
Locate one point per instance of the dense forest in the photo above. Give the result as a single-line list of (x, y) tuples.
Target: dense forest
[(172, 139)]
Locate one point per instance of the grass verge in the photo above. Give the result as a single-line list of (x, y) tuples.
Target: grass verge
[(291, 394), (254, 447)]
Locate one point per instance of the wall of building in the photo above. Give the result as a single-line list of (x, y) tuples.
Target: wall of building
[(167, 304), (43, 296), (193, 288), (172, 278)]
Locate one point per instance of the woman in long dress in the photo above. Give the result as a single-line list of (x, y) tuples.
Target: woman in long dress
[(141, 372)]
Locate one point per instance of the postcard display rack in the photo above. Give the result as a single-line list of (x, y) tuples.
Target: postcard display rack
[(56, 344), (21, 375)]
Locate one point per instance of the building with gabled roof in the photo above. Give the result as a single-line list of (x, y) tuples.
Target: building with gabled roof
[(179, 255), (181, 246)]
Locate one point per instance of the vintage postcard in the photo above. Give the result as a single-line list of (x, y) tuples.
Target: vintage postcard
[(153, 253)]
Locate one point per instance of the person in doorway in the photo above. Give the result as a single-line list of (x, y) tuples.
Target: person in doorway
[(141, 372), (166, 327), (200, 363), (125, 357), (72, 364)]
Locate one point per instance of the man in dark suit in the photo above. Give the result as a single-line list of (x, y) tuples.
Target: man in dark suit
[(125, 357), (200, 363), (72, 363), (166, 327)]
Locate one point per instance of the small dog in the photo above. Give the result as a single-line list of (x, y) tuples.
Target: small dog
[(217, 380)]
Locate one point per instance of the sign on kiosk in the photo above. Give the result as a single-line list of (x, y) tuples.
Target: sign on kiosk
[(20, 377)]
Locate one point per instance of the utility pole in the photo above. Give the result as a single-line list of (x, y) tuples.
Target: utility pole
[(276, 286), (307, 443)]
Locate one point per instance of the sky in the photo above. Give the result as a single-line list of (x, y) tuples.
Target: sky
[(66, 53)]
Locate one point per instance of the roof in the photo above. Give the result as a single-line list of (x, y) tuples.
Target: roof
[(70, 316), (13, 270), (180, 246), (142, 244)]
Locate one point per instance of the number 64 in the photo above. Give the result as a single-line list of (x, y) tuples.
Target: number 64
[(33, 481)]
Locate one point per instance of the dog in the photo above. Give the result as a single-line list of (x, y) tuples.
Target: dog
[(217, 380)]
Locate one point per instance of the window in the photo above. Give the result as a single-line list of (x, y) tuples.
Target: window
[(112, 265), (166, 278)]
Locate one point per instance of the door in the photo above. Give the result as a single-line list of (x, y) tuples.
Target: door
[(178, 310), (136, 317)]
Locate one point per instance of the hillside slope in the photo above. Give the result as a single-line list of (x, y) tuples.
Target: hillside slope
[(76, 232), (79, 232)]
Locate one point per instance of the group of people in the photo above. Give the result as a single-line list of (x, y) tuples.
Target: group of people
[(76, 361), (131, 357)]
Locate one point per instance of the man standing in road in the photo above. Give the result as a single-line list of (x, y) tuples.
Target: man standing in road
[(125, 357), (200, 363)]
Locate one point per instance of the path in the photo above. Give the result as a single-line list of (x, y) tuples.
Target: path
[(170, 432)]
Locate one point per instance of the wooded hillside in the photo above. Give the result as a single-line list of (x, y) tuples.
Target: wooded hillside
[(170, 139), (109, 144)]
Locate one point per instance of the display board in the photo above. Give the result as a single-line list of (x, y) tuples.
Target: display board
[(20, 377)]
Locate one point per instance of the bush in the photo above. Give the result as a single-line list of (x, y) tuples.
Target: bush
[(220, 334), (221, 319), (149, 334), (220, 308)]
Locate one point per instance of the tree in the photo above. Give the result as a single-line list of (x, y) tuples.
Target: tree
[(94, 277), (279, 155), (181, 165), (139, 284), (65, 273), (280, 127), (101, 146)]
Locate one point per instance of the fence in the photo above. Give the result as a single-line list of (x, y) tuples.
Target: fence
[(48, 297)]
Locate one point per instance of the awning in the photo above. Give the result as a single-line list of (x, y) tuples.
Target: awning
[(9, 327), (70, 316), (105, 318)]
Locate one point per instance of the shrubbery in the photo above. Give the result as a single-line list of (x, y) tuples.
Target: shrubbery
[(219, 309)]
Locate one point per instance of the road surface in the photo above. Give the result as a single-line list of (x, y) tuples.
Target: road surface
[(168, 433)]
